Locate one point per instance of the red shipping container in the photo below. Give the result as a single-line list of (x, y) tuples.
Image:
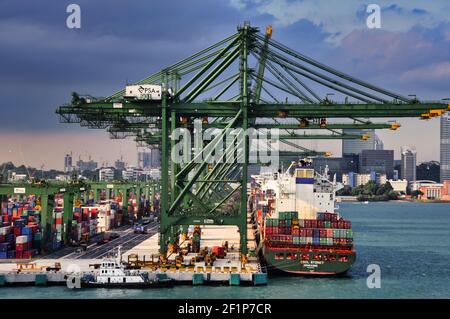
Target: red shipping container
[(329, 233), (323, 233), (314, 224), (334, 225), (348, 224), (17, 231), (320, 224), (341, 225), (334, 217), (19, 254), (309, 232), (2, 238), (27, 254), (303, 232)]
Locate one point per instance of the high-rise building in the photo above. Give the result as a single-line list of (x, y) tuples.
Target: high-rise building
[(378, 161), (445, 147), (336, 165), (353, 180), (155, 160), (149, 158), (119, 165), (409, 163), (355, 147), (87, 165), (68, 163), (129, 174), (106, 174), (379, 145), (144, 158)]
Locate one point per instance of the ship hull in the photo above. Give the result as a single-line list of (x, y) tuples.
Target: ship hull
[(143, 285), (308, 262)]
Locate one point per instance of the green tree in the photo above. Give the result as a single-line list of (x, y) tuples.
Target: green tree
[(416, 193)]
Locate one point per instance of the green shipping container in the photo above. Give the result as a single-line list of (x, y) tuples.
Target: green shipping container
[(327, 224), (349, 233), (336, 233), (323, 241)]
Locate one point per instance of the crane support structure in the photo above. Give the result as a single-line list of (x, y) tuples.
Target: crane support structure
[(46, 192), (246, 81)]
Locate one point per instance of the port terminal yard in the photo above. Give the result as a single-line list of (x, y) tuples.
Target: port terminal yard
[(141, 249)]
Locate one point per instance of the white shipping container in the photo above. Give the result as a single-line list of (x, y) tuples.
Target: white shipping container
[(21, 239), (144, 91)]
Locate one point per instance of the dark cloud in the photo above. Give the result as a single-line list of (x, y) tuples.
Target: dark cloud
[(42, 61)]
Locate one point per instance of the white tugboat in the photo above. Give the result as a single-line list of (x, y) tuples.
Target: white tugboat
[(114, 274)]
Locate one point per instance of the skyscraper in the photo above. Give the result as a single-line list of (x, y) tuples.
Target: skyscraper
[(144, 158), (445, 147), (379, 146), (355, 147), (119, 165), (149, 158), (378, 161), (155, 161), (409, 163), (68, 163)]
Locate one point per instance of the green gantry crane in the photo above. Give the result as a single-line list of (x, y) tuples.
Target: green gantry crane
[(46, 192), (218, 88)]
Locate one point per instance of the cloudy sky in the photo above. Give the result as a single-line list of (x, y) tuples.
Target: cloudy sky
[(42, 61)]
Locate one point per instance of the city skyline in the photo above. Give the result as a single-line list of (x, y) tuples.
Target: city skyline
[(27, 153)]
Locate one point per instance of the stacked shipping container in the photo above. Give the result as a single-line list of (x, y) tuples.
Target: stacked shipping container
[(89, 221), (327, 230), (20, 235)]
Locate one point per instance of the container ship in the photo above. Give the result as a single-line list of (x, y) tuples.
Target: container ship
[(300, 231)]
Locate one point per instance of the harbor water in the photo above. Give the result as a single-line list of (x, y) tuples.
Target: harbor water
[(409, 241)]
